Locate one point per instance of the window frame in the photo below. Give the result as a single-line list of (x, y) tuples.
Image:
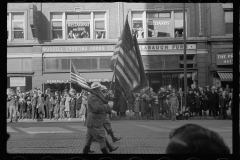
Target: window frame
[(51, 24), (94, 24), (227, 10), (10, 26), (82, 20), (172, 19)]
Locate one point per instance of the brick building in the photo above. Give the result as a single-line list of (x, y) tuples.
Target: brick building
[(44, 38)]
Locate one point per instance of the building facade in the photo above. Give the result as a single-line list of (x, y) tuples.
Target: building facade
[(45, 38)]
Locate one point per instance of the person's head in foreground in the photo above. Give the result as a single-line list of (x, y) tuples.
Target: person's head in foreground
[(194, 139)]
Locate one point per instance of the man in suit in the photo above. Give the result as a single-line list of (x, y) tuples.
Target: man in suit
[(213, 98), (47, 102), (34, 105), (95, 119)]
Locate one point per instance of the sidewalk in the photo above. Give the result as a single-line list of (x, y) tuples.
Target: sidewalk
[(118, 119)]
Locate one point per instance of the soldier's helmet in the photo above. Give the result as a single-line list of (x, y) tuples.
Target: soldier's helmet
[(95, 85)]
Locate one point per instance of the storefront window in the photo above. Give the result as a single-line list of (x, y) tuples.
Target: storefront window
[(105, 62), (65, 64), (228, 22), (85, 63), (51, 64), (19, 65)]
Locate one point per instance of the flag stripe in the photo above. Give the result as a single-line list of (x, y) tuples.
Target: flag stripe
[(131, 70), (75, 77), (120, 72)]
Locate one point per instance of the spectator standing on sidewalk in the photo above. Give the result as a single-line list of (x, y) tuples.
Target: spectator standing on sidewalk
[(205, 102), (51, 107), (13, 106), (23, 107), (67, 104), (34, 104), (190, 102), (130, 102), (137, 105), (223, 103), (57, 105), (62, 107), (29, 108), (73, 103), (174, 104), (47, 103), (40, 105), (212, 102), (198, 104), (78, 104)]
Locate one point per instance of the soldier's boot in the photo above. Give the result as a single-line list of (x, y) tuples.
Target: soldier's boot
[(11, 117), (86, 149), (114, 139), (110, 147), (105, 151)]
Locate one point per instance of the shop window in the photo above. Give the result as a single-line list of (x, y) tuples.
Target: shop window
[(51, 64), (85, 63), (57, 25), (228, 22), (19, 65), (65, 64), (157, 24), (105, 62)]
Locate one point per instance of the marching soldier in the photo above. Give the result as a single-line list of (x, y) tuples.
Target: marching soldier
[(95, 119)]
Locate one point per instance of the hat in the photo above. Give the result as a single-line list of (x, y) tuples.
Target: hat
[(95, 85), (103, 87)]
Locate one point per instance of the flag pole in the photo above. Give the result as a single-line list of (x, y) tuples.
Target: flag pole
[(70, 73), (185, 63)]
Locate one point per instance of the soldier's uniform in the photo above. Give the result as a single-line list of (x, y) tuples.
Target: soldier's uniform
[(13, 106), (94, 122)]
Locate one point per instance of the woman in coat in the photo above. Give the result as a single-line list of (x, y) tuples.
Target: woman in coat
[(73, 104), (190, 101), (174, 105), (223, 103), (67, 104), (62, 107), (205, 102), (57, 105)]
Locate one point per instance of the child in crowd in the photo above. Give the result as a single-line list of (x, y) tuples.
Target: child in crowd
[(137, 105), (186, 114)]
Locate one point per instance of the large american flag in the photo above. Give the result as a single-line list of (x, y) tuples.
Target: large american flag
[(77, 78), (125, 60)]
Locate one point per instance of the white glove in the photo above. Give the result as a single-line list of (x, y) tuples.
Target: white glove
[(110, 103)]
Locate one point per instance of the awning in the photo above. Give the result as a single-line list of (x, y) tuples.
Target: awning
[(51, 78), (65, 77), (225, 76), (98, 76), (188, 62), (169, 71)]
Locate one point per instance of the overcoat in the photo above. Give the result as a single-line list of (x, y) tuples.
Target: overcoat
[(96, 111)]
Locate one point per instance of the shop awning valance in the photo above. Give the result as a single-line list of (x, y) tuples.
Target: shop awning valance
[(169, 71), (188, 62), (225, 76), (65, 77)]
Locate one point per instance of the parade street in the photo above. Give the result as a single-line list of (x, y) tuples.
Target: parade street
[(138, 136)]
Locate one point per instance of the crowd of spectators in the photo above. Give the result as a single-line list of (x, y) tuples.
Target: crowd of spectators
[(169, 102), (38, 105)]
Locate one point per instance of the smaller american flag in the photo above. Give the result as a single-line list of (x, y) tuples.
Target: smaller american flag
[(77, 78)]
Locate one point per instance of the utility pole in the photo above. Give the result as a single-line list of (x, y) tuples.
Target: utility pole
[(185, 61)]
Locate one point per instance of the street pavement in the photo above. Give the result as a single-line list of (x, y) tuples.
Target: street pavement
[(138, 136)]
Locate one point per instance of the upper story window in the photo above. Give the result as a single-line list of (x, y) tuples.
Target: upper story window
[(15, 26), (89, 25), (157, 24), (228, 22)]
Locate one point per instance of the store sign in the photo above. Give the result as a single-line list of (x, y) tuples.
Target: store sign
[(55, 81), (17, 81), (99, 80), (225, 59), (111, 48), (158, 23)]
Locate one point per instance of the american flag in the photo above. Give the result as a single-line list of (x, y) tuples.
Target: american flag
[(77, 78), (125, 60)]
